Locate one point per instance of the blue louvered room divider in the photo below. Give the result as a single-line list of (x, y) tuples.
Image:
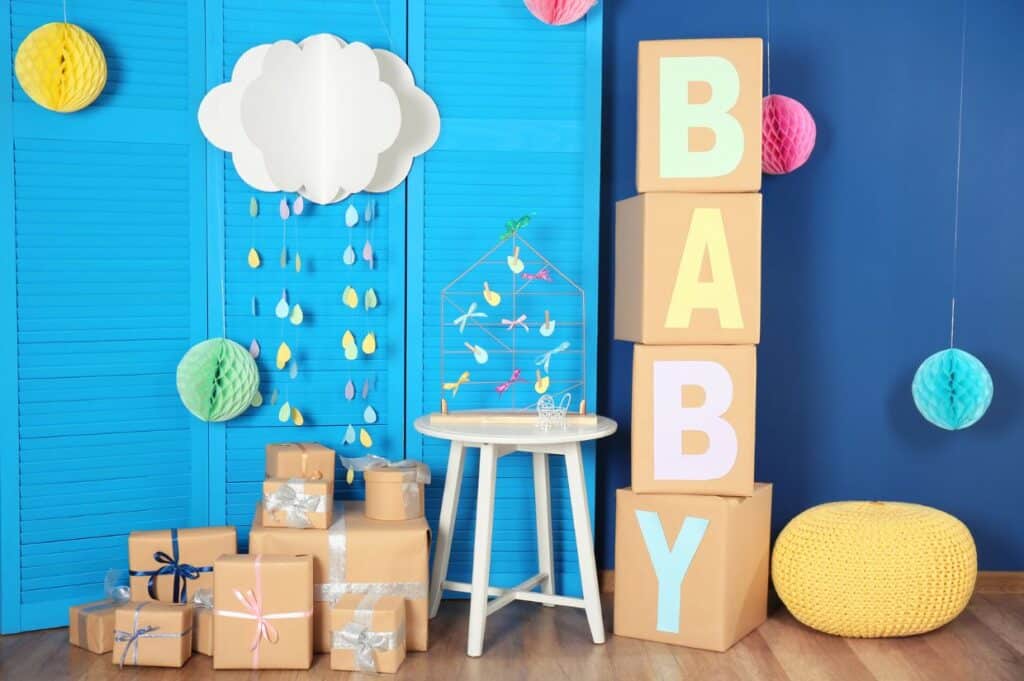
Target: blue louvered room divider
[(125, 241)]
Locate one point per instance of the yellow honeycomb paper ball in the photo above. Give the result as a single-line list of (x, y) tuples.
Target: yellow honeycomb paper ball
[(61, 67), (872, 569)]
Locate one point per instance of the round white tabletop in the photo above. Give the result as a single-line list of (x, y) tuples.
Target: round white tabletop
[(515, 434)]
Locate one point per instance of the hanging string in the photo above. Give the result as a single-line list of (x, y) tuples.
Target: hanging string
[(768, 43), (64, 7), (387, 32), (956, 185)]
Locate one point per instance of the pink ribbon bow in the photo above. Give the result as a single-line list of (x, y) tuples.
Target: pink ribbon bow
[(515, 378), (544, 274), (513, 323)]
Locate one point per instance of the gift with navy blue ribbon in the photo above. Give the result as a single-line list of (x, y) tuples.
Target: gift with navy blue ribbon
[(182, 559)]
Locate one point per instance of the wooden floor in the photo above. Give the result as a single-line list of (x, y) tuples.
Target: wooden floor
[(526, 641)]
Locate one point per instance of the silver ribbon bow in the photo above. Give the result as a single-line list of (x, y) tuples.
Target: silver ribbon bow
[(203, 598), (358, 637), (293, 503)]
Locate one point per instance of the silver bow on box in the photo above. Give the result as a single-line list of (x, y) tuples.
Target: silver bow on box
[(358, 637), (414, 474), (290, 498)]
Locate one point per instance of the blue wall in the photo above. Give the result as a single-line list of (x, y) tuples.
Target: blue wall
[(857, 252)]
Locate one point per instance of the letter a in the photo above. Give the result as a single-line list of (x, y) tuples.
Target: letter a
[(671, 419), (706, 235), (670, 565), (678, 116)]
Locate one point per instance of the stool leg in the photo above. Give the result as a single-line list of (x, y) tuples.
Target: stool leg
[(446, 524), (482, 550), (584, 540), (542, 495)]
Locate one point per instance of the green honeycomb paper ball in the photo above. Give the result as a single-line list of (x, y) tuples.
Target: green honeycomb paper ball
[(952, 389), (217, 379)]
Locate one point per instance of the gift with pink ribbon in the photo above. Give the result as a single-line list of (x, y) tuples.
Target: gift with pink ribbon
[(263, 615)]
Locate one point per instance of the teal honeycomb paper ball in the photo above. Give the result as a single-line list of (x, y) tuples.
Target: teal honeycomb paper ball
[(217, 379), (952, 389)]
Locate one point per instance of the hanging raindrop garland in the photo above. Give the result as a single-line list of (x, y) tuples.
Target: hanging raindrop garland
[(350, 299), (952, 388)]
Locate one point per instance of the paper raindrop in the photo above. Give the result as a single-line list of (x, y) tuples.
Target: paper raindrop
[(293, 369), (257, 400), (350, 435), (350, 297), (370, 299), (350, 390), (254, 258), (281, 310), (370, 343), (298, 205), (285, 412), (349, 256), (364, 438), (351, 216), (297, 417), (284, 353), (254, 348), (296, 315), (254, 207), (283, 209), (370, 414)]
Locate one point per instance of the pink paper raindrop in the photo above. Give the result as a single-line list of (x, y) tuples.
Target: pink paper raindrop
[(787, 135), (284, 209), (559, 12), (298, 205)]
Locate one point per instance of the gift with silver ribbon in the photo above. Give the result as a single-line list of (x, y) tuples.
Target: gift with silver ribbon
[(359, 636), (131, 638), (291, 501)]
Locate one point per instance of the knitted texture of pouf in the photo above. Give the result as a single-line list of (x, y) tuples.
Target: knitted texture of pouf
[(872, 569)]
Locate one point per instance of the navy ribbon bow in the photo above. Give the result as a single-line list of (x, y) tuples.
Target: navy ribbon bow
[(171, 565)]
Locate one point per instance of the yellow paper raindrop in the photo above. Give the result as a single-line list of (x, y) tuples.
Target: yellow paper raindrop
[(369, 343), (542, 384), (350, 476), (284, 412), (296, 315), (297, 418), (364, 438), (348, 340), (254, 258), (298, 262), (350, 297), (257, 399), (284, 353), (61, 67)]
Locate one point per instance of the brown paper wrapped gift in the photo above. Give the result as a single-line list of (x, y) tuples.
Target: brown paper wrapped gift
[(368, 633), (150, 634), (395, 491), (691, 569), (358, 555), (168, 565), (264, 612), (296, 502), (309, 460), (91, 625), (202, 621)]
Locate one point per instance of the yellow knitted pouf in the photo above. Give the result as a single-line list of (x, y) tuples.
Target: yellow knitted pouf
[(870, 569)]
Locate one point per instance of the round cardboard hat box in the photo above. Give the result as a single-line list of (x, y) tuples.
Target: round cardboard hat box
[(393, 493)]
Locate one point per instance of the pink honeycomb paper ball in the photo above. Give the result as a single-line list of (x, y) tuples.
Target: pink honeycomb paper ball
[(787, 134), (559, 12)]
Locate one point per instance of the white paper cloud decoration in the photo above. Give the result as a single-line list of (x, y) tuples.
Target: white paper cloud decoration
[(323, 117)]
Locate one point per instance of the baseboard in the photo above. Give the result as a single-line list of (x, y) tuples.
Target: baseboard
[(989, 582)]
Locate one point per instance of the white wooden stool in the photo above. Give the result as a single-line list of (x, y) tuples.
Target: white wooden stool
[(494, 441)]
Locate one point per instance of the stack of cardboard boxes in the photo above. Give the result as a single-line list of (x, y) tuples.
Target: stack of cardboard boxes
[(692, 534)]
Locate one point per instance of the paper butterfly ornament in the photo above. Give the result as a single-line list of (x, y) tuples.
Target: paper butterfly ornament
[(321, 117)]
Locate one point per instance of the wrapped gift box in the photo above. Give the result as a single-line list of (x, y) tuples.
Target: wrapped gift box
[(167, 565), (296, 502), (202, 621), (91, 625), (691, 569), (368, 633), (395, 491), (150, 634), (309, 460), (358, 555), (264, 612)]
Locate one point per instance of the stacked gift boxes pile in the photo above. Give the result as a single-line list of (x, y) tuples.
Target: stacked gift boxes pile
[(320, 576), (692, 533)]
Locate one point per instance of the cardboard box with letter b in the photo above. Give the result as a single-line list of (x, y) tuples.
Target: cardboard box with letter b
[(693, 419), (699, 116), (690, 569)]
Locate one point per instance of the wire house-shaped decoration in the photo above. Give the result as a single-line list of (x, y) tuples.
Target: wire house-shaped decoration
[(512, 330)]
